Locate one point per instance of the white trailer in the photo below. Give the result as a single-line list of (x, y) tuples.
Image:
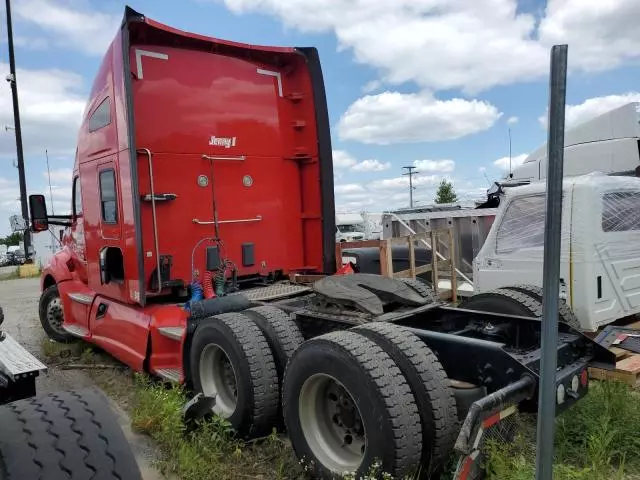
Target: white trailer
[(608, 143)]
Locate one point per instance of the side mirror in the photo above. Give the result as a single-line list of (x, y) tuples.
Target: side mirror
[(38, 210)]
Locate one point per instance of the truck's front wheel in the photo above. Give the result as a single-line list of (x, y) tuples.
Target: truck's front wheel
[(52, 315)]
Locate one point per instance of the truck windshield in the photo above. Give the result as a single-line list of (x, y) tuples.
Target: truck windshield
[(349, 228)]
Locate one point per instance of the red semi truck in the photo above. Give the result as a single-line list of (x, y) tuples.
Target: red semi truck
[(203, 178)]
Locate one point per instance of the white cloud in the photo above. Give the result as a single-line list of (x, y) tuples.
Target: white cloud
[(512, 120), (342, 159), (443, 166), (403, 182), (348, 188), (60, 175), (592, 107), (482, 169), (516, 161), (394, 117), (371, 166), (371, 86), (601, 35), (88, 31), (394, 36), (469, 44), (51, 107)]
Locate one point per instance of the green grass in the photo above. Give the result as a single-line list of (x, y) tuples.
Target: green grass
[(211, 450), (597, 439)]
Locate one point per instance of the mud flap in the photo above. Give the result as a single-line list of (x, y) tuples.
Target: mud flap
[(484, 415)]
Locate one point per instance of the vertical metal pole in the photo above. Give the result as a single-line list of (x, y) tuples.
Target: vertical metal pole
[(46, 154), (18, 131), (551, 269), (410, 172), (510, 169), (410, 191)]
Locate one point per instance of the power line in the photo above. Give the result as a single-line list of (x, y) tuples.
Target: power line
[(11, 78), (411, 171)]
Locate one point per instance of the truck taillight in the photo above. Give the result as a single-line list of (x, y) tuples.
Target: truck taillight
[(584, 378)]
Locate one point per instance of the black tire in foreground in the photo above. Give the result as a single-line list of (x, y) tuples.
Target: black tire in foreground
[(347, 407), (429, 385), (231, 360), (51, 316), (68, 435), (566, 314)]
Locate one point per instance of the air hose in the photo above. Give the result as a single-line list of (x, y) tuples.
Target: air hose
[(207, 285)]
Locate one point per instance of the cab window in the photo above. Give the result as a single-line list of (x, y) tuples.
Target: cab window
[(522, 225), (77, 197), (108, 197), (621, 211), (101, 116)]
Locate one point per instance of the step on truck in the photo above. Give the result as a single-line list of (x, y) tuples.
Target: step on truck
[(203, 180)]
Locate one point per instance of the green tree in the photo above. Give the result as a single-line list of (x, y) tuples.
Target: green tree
[(446, 193), (14, 239)]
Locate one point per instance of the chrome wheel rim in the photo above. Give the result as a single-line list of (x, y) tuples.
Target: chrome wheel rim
[(332, 424), (55, 315), (218, 379)]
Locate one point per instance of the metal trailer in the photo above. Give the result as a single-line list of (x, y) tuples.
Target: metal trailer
[(470, 230)]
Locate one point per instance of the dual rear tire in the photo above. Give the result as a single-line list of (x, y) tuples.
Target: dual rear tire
[(372, 399)]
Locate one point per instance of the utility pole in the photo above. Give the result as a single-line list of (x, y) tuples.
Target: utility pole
[(411, 171), (11, 78), (551, 266)]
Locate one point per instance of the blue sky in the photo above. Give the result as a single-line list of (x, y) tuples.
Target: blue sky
[(431, 83)]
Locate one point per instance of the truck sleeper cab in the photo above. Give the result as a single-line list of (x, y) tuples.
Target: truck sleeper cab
[(205, 165)]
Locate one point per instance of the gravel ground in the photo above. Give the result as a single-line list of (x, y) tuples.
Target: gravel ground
[(19, 300)]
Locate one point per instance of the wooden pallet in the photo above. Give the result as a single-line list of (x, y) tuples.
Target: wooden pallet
[(627, 368)]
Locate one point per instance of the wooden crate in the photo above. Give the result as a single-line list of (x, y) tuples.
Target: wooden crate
[(627, 368), (431, 239)]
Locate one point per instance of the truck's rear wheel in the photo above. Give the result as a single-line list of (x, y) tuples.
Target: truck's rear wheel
[(64, 435), (282, 335), (281, 332), (347, 406), (566, 314), (506, 301), (52, 315), (429, 385), (232, 362)]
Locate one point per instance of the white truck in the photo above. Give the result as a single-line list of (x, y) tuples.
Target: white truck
[(600, 249), (503, 247), (352, 227), (608, 143)]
